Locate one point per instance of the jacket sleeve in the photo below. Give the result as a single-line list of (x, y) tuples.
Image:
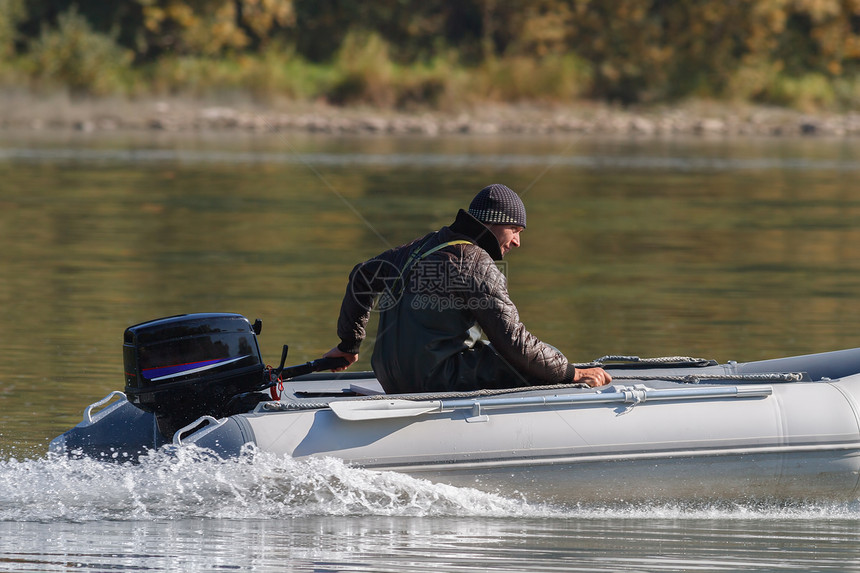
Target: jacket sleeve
[(376, 277), (498, 317), (366, 281)]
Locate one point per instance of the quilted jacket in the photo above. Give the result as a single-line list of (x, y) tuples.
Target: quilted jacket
[(446, 321)]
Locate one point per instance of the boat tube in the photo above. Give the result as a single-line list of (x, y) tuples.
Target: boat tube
[(668, 428)]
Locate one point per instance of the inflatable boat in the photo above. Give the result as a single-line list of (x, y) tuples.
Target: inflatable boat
[(666, 428)]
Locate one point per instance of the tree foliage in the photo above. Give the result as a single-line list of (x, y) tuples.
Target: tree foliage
[(629, 50)]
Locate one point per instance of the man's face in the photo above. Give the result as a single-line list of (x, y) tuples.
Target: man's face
[(507, 235)]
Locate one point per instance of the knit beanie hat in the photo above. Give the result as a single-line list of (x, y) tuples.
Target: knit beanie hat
[(498, 205)]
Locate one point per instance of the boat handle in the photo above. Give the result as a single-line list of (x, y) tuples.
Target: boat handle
[(177, 437), (88, 413)]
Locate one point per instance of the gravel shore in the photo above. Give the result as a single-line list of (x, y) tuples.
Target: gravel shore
[(699, 118)]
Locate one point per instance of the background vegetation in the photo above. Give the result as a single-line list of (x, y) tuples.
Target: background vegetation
[(439, 53)]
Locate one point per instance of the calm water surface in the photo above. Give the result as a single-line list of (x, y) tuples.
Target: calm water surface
[(726, 249)]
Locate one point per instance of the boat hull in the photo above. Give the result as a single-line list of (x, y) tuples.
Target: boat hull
[(779, 441)]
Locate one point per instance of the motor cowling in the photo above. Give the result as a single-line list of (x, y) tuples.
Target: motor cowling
[(186, 366)]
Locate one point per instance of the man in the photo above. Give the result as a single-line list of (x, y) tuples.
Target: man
[(437, 295)]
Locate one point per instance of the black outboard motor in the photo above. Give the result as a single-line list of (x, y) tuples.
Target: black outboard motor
[(187, 366)]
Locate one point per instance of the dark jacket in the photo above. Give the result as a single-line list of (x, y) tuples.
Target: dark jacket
[(432, 310)]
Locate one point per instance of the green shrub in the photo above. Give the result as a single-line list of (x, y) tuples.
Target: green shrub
[(365, 72), (276, 73), (422, 89), (767, 83), (810, 92), (847, 92), (191, 75), (75, 56), (12, 12), (280, 73), (550, 79)]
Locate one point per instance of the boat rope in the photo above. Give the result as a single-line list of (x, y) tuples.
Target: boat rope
[(686, 379), (658, 359), (697, 378), (616, 360)]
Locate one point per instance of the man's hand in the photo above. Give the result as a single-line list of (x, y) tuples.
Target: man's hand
[(338, 353), (593, 377)]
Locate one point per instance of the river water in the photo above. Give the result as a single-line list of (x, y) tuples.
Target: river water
[(738, 249)]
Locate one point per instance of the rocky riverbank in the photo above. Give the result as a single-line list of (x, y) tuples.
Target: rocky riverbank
[(701, 118)]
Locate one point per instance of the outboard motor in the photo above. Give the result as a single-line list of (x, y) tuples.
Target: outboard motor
[(183, 367)]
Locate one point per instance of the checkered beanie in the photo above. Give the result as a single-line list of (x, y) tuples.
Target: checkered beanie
[(498, 205)]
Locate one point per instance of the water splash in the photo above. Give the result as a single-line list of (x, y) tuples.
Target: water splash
[(191, 483)]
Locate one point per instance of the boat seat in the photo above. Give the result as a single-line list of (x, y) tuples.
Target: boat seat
[(367, 388)]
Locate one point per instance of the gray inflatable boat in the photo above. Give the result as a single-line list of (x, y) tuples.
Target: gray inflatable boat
[(668, 428)]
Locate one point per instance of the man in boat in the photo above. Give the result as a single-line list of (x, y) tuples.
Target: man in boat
[(438, 295)]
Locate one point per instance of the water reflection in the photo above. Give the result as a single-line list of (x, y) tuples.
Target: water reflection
[(452, 544), (729, 250), (600, 157)]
